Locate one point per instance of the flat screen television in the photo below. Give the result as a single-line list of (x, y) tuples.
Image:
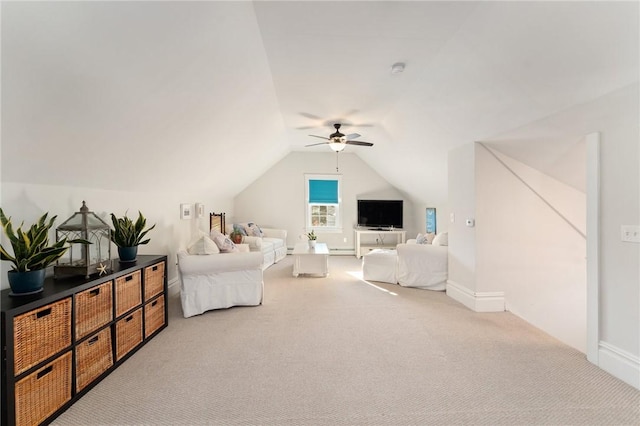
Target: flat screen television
[(380, 214)]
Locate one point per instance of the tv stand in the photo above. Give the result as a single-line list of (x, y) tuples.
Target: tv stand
[(377, 239)]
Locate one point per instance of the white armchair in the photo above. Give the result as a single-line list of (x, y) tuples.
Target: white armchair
[(422, 265)]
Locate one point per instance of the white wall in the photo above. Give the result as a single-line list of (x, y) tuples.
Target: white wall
[(615, 117), (527, 250), (277, 198), (620, 261), (27, 202), (462, 199), (419, 218)]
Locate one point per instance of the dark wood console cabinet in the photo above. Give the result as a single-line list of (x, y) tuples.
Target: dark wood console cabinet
[(57, 344)]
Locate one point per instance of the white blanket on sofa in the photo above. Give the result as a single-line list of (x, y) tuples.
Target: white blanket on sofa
[(422, 266), (219, 281)]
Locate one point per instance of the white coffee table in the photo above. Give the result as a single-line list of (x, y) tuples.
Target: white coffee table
[(313, 261)]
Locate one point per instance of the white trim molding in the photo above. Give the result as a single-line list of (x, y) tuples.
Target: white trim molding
[(476, 301), (593, 246), (619, 363), (173, 286)]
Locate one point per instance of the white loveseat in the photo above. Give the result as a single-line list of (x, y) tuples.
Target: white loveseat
[(272, 244), (216, 281)]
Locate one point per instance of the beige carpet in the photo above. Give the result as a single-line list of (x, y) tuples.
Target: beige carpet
[(339, 351)]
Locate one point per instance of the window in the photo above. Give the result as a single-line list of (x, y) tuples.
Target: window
[(431, 220), (323, 199)]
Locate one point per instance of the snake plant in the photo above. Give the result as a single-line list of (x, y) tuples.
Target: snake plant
[(127, 233), (31, 248)]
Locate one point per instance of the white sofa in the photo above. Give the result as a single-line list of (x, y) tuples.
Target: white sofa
[(217, 281), (273, 244)]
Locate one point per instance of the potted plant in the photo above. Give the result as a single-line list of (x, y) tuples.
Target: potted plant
[(128, 235), (236, 236), (312, 239), (32, 253)]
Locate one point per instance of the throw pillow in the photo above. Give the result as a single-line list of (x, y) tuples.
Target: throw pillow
[(223, 242), (203, 245), (422, 239), (441, 239), (240, 228), (254, 230)]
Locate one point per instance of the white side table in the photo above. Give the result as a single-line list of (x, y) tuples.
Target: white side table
[(310, 260)]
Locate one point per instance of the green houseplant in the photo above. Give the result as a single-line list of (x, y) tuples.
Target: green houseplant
[(32, 253), (312, 238), (127, 235), (236, 236)]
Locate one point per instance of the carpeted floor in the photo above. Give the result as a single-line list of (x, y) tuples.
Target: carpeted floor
[(341, 351)]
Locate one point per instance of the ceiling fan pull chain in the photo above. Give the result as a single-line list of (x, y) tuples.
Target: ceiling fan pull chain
[(337, 153)]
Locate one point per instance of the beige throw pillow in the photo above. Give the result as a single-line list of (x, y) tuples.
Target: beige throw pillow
[(203, 245), (441, 239)]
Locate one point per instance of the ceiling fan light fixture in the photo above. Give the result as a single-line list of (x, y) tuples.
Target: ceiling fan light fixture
[(337, 146)]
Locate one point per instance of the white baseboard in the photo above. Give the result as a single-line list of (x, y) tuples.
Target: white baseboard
[(619, 363), (173, 286), (476, 301), (334, 252), (342, 252)]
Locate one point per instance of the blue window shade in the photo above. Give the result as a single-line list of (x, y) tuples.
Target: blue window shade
[(323, 191)]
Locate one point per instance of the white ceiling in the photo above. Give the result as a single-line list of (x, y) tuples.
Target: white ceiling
[(159, 87)]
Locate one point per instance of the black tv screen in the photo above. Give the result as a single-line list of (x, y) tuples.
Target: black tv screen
[(380, 213)]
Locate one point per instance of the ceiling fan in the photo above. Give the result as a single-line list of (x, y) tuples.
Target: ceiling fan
[(338, 141)]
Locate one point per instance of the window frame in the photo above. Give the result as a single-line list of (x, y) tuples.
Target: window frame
[(308, 205)]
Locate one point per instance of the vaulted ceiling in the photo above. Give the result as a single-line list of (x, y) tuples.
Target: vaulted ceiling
[(174, 91)]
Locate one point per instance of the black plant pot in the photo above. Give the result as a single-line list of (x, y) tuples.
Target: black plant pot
[(25, 283), (128, 254)]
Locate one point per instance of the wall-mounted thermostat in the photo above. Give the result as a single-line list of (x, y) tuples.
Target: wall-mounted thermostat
[(470, 223)]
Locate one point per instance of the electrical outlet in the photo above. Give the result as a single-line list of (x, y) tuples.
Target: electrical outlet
[(630, 233), (345, 239)]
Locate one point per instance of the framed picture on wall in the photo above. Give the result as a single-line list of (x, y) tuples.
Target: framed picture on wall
[(199, 210), (185, 211), (431, 220)]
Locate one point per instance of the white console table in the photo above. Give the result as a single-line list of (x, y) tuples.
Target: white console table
[(384, 240)]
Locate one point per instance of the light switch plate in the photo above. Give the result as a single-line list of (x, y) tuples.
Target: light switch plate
[(630, 233)]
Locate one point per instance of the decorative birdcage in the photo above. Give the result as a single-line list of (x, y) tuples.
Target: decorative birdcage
[(84, 259)]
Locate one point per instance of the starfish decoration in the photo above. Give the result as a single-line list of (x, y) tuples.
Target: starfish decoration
[(102, 269)]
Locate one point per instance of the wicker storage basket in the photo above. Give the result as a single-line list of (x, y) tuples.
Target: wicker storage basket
[(43, 392), (94, 356), (153, 316), (153, 280), (41, 333), (93, 309), (128, 333), (128, 292)]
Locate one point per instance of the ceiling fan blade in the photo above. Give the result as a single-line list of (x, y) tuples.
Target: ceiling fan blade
[(321, 137), (352, 136), (311, 116), (319, 143), (361, 143)]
